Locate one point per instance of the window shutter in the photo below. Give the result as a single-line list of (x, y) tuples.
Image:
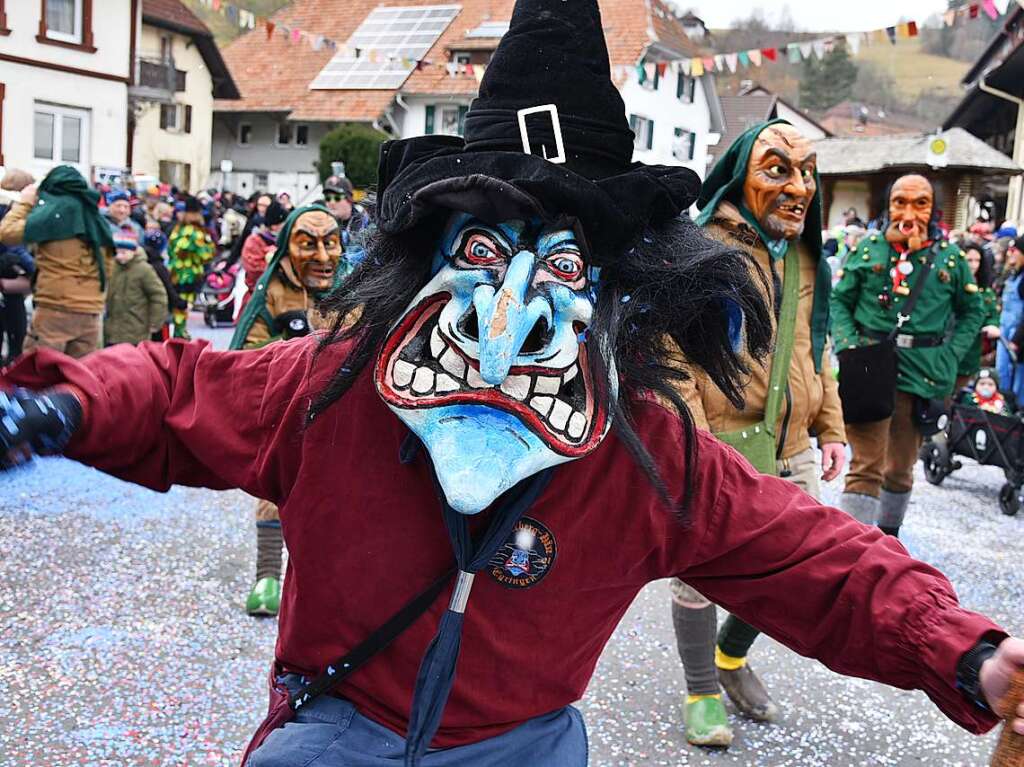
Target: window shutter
[(188, 118), (163, 117), (430, 120), (462, 120), (650, 134)]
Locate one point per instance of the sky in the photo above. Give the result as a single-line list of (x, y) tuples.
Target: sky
[(823, 15)]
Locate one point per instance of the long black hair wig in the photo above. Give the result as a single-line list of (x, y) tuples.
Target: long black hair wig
[(677, 292)]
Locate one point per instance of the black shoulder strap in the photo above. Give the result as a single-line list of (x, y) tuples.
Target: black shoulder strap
[(373, 644), (903, 316)]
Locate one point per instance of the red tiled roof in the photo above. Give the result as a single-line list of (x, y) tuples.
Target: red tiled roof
[(175, 13), (275, 75)]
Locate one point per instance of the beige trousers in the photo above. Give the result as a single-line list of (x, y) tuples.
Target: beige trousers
[(72, 333), (884, 452)]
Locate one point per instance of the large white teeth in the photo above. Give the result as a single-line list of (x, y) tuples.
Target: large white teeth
[(453, 363), (546, 385), (517, 387), (577, 425), (445, 383), (542, 404), (436, 343), (403, 373), (473, 379), (560, 414), (423, 381), (570, 375)]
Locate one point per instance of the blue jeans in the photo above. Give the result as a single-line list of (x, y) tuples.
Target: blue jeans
[(329, 732)]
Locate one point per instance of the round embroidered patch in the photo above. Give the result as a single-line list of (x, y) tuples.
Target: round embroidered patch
[(526, 557)]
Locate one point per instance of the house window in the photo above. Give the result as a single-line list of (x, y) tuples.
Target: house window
[(301, 135), (176, 118), (60, 134), (643, 128), (67, 23), (448, 120), (683, 146), (651, 83), (284, 134), (244, 134), (462, 58), (685, 88), (262, 181), (178, 174), (166, 48)]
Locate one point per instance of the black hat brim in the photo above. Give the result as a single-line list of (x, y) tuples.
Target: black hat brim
[(417, 177)]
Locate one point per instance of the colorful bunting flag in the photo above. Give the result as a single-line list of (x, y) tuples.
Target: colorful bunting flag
[(744, 58), (709, 64), (973, 10), (819, 48), (772, 54), (720, 62), (793, 53), (805, 49), (891, 32), (684, 66), (756, 57), (731, 60), (949, 18), (697, 67), (912, 29), (853, 43), (990, 9)]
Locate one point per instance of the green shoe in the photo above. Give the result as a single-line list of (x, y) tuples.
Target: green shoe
[(265, 597), (707, 723)]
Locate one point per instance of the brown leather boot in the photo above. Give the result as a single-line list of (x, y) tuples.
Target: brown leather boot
[(748, 694)]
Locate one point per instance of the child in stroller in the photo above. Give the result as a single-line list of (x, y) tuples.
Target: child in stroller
[(983, 425), (219, 296)]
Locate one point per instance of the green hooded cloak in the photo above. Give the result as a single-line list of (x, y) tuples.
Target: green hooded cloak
[(257, 306), (68, 208), (725, 183)]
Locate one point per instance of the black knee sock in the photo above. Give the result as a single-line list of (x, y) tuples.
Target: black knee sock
[(893, 531), (695, 638), (269, 545)]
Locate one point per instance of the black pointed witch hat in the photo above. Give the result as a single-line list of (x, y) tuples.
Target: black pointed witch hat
[(547, 137)]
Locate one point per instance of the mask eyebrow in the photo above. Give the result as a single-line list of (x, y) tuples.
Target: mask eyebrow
[(777, 154)]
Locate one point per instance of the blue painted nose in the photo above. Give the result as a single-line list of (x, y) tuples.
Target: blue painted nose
[(505, 318)]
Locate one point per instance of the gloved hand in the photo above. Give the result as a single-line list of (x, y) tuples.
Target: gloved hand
[(35, 422), (293, 324)]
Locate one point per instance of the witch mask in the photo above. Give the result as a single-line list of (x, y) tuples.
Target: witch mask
[(780, 183), (488, 365), (911, 202), (314, 250)]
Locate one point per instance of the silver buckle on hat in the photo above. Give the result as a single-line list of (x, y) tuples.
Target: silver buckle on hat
[(905, 341), (556, 126)]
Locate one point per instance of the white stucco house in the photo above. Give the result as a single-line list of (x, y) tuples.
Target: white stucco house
[(65, 69), (180, 72), (293, 94)]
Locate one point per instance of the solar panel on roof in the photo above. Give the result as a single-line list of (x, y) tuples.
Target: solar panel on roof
[(398, 37), (489, 29)]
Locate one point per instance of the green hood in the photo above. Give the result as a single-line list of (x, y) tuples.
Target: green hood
[(257, 306), (725, 183), (68, 208)]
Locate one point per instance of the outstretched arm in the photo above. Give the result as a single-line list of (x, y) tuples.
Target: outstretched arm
[(831, 588), (179, 413)]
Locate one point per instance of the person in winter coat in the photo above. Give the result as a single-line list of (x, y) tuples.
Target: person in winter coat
[(982, 267), (136, 299), (260, 246), (17, 267), (74, 247), (1011, 322), (119, 214), (189, 249)]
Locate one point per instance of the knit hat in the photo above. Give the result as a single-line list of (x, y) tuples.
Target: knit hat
[(117, 196), (275, 214), (192, 205), (125, 238), (338, 185), (546, 138)]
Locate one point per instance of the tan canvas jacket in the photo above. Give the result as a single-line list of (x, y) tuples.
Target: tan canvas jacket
[(814, 404)]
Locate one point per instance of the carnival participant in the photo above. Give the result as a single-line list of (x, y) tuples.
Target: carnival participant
[(507, 374), (762, 198), (74, 248), (1011, 322), (982, 267), (897, 367), (260, 246), (284, 306), (189, 249)]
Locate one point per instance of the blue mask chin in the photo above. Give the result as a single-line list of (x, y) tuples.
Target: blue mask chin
[(488, 365)]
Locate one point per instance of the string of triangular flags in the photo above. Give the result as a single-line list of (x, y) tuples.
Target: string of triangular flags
[(246, 19), (800, 51)]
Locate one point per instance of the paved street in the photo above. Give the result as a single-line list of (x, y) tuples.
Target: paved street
[(123, 640)]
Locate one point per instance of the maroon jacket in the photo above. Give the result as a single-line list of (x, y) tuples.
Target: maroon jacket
[(365, 534)]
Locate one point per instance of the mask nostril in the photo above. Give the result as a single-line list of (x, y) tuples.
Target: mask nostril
[(538, 339), (469, 325)]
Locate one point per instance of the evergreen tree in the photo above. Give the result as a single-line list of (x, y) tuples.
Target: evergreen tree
[(827, 82)]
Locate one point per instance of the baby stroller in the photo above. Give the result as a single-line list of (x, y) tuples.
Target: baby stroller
[(217, 295), (989, 438)]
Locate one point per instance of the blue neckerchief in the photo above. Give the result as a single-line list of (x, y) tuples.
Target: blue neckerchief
[(437, 669), (776, 248)]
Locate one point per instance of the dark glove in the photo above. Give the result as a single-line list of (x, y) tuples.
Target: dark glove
[(42, 422), (294, 324)]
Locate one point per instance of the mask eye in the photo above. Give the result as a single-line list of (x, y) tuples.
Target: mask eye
[(776, 171), (480, 250), (566, 266)]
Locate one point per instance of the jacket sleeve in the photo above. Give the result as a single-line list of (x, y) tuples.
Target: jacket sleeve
[(156, 298), (828, 423), (254, 259), (181, 413), (845, 295), (968, 310), (827, 586), (12, 225)]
